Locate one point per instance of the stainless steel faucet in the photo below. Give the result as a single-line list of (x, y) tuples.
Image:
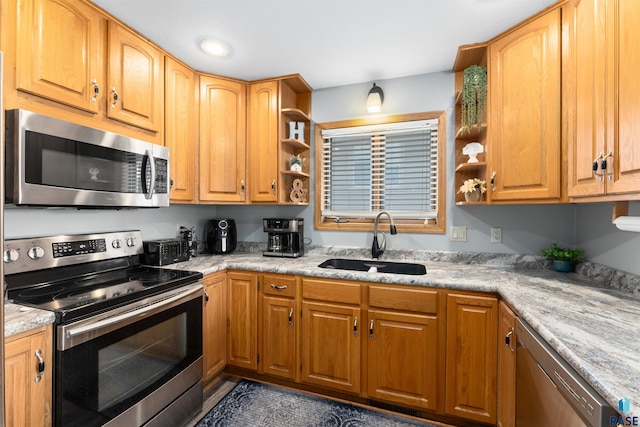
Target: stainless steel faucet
[(377, 250)]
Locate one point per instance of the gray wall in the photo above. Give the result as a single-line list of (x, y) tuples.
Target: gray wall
[(525, 228)]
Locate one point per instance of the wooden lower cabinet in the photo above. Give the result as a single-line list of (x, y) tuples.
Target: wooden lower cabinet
[(242, 334), (405, 348), (403, 359), (331, 334), (279, 327), (472, 323), (214, 342), (27, 402), (506, 367)]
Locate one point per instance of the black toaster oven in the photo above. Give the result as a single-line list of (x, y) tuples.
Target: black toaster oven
[(165, 251)]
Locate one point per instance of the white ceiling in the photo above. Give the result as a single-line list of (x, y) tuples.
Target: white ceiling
[(329, 42)]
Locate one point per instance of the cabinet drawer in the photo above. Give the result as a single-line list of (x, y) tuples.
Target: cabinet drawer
[(275, 284), (331, 291), (402, 298)]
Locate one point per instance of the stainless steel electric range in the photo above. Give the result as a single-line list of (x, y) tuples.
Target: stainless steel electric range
[(127, 337)]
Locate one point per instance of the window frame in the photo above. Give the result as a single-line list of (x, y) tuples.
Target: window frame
[(408, 226)]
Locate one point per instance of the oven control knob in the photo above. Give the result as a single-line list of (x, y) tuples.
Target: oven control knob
[(116, 244), (130, 242), (11, 255), (35, 253)]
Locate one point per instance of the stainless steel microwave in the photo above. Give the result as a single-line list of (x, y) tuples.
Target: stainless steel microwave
[(52, 162)]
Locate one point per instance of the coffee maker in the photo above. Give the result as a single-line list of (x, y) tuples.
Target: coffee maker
[(285, 237)]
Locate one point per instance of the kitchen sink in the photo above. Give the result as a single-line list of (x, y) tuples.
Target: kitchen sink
[(375, 265)]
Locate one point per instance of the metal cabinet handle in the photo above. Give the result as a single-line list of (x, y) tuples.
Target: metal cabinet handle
[(273, 186), (371, 330), (115, 97), (38, 355), (355, 327), (291, 317), (598, 162), (206, 297), (281, 287), (493, 181), (507, 340), (604, 165), (96, 90), (242, 187)]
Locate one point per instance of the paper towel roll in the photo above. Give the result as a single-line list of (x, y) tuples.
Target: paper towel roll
[(628, 223)]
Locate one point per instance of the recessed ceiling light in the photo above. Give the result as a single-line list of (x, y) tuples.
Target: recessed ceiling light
[(215, 47)]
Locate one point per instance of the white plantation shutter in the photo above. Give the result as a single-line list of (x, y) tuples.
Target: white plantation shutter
[(390, 167)]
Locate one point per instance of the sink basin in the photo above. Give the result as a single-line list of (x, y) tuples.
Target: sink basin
[(380, 266)]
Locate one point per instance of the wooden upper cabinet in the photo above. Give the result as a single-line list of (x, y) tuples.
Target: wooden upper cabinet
[(623, 123), (263, 141), (222, 140), (524, 132), (135, 81), (179, 136), (59, 52), (602, 99)]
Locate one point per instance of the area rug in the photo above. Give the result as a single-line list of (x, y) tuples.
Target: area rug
[(255, 404)]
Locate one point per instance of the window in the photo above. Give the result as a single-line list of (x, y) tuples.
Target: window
[(395, 164)]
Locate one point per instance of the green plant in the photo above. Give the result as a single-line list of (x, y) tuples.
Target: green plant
[(474, 96), (555, 252)]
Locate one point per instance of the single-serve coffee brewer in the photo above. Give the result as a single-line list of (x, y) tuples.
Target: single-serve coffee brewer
[(285, 237)]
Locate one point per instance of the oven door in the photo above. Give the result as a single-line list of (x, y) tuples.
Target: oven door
[(57, 163), (126, 366)]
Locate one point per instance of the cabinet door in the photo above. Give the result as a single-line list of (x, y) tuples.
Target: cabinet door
[(524, 112), (180, 111), (585, 94), (214, 342), (135, 80), (331, 346), (222, 140), (506, 367), (59, 55), (403, 358), (27, 402), (624, 119), (263, 141), (472, 325), (242, 328), (278, 354)]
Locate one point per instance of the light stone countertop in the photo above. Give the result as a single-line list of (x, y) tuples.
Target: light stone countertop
[(19, 318), (585, 317), (594, 328)]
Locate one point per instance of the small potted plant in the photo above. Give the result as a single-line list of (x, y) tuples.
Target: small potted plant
[(295, 163), (473, 189), (563, 259)]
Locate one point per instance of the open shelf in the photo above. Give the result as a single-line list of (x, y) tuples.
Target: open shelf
[(295, 114), (470, 166), (296, 144)]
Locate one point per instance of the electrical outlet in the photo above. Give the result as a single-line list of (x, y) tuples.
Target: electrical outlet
[(496, 235), (458, 234)]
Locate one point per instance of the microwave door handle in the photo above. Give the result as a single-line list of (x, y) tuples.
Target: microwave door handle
[(148, 192)]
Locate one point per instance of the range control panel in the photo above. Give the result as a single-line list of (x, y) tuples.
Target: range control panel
[(22, 255)]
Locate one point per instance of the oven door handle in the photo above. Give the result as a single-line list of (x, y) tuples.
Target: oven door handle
[(98, 328)]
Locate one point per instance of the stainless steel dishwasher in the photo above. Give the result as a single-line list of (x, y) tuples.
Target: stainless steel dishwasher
[(549, 392)]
